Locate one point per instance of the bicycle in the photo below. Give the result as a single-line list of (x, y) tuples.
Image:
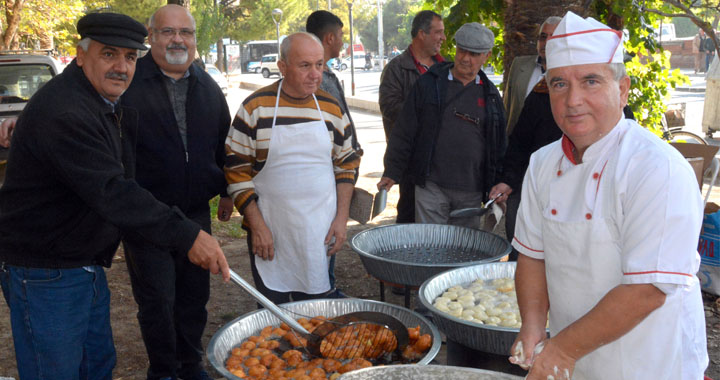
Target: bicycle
[(677, 135)]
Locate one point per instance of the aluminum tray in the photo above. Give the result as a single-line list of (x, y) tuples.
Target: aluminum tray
[(233, 333), (492, 339), (425, 372), (409, 254)]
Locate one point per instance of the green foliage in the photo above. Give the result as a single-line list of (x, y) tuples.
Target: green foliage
[(649, 69), (140, 10), (684, 27), (210, 24), (231, 228)]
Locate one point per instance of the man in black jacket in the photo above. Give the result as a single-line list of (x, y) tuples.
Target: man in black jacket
[(450, 137), (67, 198), (183, 122)]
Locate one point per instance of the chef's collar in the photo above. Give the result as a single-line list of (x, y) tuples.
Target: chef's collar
[(598, 148)]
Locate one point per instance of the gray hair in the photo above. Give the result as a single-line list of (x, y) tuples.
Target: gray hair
[(618, 70), (287, 42), (84, 44), (552, 20)]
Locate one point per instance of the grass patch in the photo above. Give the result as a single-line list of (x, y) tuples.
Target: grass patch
[(232, 228)]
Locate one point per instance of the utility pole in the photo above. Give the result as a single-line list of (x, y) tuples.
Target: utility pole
[(381, 44)]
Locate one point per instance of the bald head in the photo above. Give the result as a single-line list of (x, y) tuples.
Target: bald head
[(172, 39), (301, 64)]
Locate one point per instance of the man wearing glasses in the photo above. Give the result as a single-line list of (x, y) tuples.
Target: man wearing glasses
[(183, 121), (450, 136)]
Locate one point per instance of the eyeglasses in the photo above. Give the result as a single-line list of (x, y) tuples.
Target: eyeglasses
[(185, 33), (466, 117)]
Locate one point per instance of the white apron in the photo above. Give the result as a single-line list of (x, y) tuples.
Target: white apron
[(582, 264), (297, 198)]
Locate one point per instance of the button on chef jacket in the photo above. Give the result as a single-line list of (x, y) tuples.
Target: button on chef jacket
[(630, 213)]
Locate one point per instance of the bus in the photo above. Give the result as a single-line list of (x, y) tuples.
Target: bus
[(252, 51)]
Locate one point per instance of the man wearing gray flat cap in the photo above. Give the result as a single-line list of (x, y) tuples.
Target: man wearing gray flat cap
[(68, 197), (450, 137)]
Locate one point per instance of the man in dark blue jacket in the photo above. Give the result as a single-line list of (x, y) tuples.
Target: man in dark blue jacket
[(183, 122), (450, 137)]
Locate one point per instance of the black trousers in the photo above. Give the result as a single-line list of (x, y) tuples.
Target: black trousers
[(513, 203), (275, 296), (406, 202), (171, 293)]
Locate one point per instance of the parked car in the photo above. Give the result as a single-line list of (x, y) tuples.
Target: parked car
[(253, 67), (21, 75), (359, 62), (219, 78), (268, 65)]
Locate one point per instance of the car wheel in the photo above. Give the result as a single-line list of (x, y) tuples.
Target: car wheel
[(256, 70), (343, 67), (266, 73)]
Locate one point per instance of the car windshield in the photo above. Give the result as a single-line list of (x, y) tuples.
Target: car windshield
[(213, 70), (19, 82)]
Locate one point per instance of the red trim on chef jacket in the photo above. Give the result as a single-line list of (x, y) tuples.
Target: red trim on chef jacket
[(519, 242), (657, 271), (568, 147)]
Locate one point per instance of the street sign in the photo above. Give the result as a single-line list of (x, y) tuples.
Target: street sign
[(226, 41)]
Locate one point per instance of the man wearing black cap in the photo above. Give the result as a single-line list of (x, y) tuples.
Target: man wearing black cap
[(450, 137), (67, 198)]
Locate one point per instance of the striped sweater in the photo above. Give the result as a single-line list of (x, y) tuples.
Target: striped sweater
[(248, 140)]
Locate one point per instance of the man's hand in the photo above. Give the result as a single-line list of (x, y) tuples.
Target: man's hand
[(500, 188), (338, 230), (385, 183), (523, 349), (551, 361), (6, 130), (225, 209), (206, 253), (262, 240)]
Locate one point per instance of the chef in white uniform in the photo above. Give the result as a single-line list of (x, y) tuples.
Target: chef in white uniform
[(290, 170), (607, 230)]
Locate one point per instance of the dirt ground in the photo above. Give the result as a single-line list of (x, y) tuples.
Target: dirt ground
[(228, 301)]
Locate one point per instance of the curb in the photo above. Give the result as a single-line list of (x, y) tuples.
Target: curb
[(690, 89), (353, 103)]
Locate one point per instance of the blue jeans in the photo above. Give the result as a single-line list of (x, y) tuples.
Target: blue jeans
[(60, 322)]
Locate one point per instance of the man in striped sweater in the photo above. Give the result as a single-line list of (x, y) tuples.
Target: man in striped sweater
[(290, 170)]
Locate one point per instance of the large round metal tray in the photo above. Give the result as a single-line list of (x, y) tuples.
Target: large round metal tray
[(236, 331), (425, 372), (409, 254), (492, 339)]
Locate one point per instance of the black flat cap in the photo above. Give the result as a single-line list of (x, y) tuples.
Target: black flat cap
[(113, 29)]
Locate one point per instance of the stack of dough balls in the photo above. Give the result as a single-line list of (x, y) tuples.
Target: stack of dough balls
[(491, 302)]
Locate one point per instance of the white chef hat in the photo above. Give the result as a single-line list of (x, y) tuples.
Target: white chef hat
[(578, 41)]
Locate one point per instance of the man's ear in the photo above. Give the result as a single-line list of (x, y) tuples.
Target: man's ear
[(282, 66), (80, 59), (328, 39)]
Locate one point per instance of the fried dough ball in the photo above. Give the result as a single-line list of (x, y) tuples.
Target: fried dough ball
[(268, 359), (414, 333), (233, 362), (334, 376), (347, 368), (248, 345), (295, 373), (257, 371), (238, 372), (361, 363), (423, 343), (317, 373), (277, 373), (255, 339), (285, 326), (259, 352), (250, 362), (278, 364), (331, 365), (304, 377), (278, 332)]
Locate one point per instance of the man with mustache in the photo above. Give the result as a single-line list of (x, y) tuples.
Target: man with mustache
[(67, 198), (183, 122), (396, 81), (291, 169), (450, 137)]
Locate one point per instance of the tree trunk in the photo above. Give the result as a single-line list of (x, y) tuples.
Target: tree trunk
[(13, 10), (523, 19)]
